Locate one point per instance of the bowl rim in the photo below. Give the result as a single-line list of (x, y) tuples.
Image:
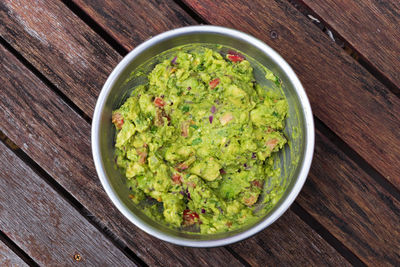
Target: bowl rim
[(309, 136)]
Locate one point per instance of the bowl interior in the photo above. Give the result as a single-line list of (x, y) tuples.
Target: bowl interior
[(291, 158)]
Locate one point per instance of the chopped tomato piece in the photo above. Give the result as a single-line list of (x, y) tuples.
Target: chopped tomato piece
[(214, 83), (190, 217), (235, 58), (177, 178), (272, 143), (159, 102), (118, 120)]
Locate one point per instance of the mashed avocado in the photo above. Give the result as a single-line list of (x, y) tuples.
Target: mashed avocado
[(198, 141)]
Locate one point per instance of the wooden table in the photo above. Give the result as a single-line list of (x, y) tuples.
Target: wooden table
[(55, 57)]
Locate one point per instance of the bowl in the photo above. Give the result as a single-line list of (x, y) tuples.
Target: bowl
[(295, 158)]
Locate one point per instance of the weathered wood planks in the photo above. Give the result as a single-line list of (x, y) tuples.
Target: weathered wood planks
[(9, 258), (63, 48), (132, 22), (288, 242), (46, 226), (372, 28), (349, 100), (359, 212)]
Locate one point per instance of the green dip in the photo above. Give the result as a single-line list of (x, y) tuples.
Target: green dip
[(198, 140)]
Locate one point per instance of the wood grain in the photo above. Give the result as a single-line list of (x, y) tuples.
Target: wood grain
[(9, 258), (58, 140), (282, 244), (132, 22), (370, 27), (348, 99), (63, 48), (352, 206), (44, 225)]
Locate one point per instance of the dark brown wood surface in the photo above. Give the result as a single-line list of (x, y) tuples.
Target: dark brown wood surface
[(65, 50), (141, 19), (352, 205), (51, 120), (44, 225), (348, 99), (9, 258), (349, 209), (371, 27), (283, 245)]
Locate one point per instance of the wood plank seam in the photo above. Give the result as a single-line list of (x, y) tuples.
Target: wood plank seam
[(113, 238), (46, 81), (16, 249), (354, 156), (197, 17), (237, 256), (326, 235), (364, 62), (96, 27)]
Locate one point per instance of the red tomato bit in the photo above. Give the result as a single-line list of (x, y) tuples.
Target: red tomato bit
[(190, 217), (159, 102), (235, 58), (176, 178), (214, 83)]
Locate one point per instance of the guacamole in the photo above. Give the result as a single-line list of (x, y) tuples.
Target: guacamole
[(197, 142)]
